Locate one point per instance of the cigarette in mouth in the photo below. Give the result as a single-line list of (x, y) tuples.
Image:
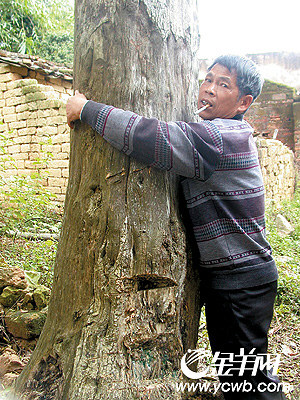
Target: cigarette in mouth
[(202, 108)]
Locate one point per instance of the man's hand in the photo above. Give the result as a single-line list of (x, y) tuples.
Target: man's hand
[(74, 107)]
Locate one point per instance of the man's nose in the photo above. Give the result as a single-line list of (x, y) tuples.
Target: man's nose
[(211, 89)]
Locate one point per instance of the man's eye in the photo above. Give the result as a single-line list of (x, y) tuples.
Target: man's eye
[(224, 85)]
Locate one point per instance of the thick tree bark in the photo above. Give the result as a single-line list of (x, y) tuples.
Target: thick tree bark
[(117, 324)]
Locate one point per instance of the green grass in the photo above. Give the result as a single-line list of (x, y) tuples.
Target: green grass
[(27, 206), (286, 251), (30, 255)]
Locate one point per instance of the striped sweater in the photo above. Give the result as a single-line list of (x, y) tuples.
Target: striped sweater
[(221, 181)]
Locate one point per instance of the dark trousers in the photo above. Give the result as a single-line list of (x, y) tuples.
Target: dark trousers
[(240, 319)]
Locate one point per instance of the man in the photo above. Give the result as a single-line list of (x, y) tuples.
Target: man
[(222, 184)]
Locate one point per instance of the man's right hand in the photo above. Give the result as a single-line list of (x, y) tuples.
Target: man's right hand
[(74, 106)]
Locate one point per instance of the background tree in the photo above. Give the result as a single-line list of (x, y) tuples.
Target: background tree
[(38, 27), (114, 327)]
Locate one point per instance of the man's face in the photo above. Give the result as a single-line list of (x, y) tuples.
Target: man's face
[(219, 89)]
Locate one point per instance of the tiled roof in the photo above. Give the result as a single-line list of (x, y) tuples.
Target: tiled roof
[(37, 64)]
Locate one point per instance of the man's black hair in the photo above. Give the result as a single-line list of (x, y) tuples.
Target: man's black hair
[(249, 79)]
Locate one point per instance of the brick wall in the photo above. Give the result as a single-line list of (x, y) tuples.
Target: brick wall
[(296, 111), (33, 112), (274, 110), (278, 169)]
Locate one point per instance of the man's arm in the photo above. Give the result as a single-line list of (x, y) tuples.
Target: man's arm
[(190, 150)]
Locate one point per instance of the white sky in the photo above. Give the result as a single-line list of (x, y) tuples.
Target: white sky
[(248, 26)]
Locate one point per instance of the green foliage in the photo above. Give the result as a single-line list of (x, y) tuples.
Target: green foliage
[(23, 199), (26, 206), (286, 251), (30, 255), (57, 48), (57, 43), (38, 27), (22, 24)]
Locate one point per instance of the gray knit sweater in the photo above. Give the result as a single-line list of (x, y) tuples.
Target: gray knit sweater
[(221, 181)]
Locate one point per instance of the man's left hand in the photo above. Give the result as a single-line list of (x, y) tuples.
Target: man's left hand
[(74, 106)]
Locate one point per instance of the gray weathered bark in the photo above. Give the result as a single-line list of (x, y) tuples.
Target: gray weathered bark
[(117, 325)]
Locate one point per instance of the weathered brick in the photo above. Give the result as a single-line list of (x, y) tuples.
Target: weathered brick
[(35, 156), (22, 108), (14, 101), (55, 172), (65, 172), (60, 198), (3, 127), (13, 93), (17, 125), (3, 86), (25, 171), (50, 103), (9, 171), (59, 164), (52, 148), (46, 131), (55, 80), (25, 147), (40, 77), (22, 139), (4, 68), (68, 85), (64, 97), (23, 71), (62, 156), (33, 97), (36, 122), (21, 83), (37, 139), (51, 112), (57, 120), (13, 149), (61, 138), (37, 89), (30, 164), (27, 131), (35, 147), (65, 147), (58, 88), (10, 117), (62, 111), (11, 133), (10, 76), (64, 128), (32, 106), (55, 189), (59, 182), (20, 163), (9, 110), (24, 115), (279, 96)]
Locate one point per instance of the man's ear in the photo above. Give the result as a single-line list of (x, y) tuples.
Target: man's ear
[(245, 103)]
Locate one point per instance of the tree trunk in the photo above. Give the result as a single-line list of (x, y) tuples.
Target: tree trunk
[(117, 325)]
